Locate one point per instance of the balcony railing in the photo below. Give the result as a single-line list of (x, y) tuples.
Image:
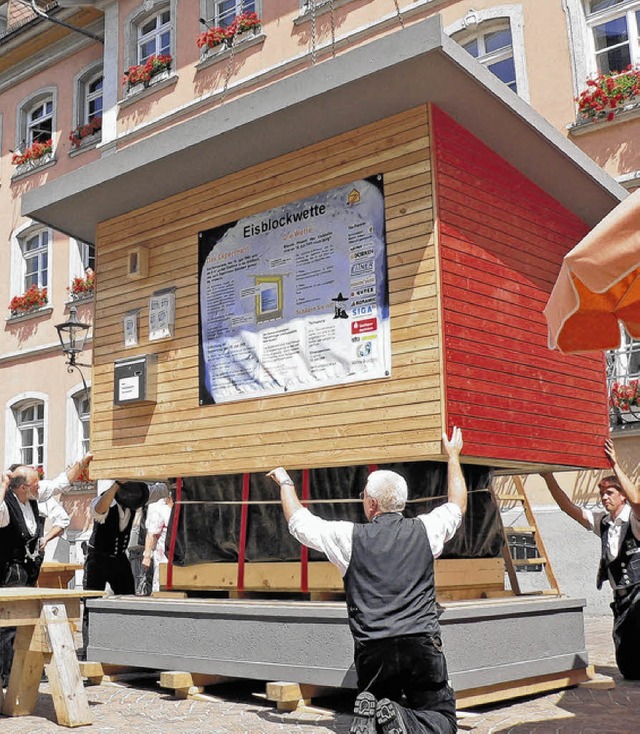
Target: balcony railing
[(623, 367)]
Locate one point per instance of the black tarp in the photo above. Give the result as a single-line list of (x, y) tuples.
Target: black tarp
[(210, 512)]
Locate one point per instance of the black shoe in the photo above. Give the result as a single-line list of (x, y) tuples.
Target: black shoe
[(364, 714), (389, 717)]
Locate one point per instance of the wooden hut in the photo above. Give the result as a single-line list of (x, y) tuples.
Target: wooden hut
[(476, 199)]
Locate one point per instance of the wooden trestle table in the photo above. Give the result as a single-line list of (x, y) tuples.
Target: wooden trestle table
[(43, 619)]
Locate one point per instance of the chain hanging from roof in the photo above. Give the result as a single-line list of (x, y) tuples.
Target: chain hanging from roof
[(314, 31), (399, 13), (227, 73)]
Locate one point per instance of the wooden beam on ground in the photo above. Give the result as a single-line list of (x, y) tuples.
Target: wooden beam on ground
[(292, 696), (98, 673), (524, 687), (186, 684)]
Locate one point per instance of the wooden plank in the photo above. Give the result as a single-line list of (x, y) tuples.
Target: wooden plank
[(26, 672), (523, 687), (398, 147), (182, 681), (502, 258), (69, 697), (479, 574)]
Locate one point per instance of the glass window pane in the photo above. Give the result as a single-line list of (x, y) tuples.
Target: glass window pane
[(609, 34), (148, 27), (26, 415), (596, 5), (147, 49), (165, 42), (165, 17), (497, 40), (504, 70), (26, 455), (616, 59), (33, 243), (40, 411), (472, 47)]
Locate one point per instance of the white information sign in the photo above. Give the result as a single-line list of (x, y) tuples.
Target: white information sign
[(295, 298)]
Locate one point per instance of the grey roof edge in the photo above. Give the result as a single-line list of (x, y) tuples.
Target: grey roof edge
[(283, 117), (537, 122)]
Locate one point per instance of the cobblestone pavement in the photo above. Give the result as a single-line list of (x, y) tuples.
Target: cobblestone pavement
[(141, 707)]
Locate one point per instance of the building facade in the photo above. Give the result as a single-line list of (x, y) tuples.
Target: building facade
[(82, 81)]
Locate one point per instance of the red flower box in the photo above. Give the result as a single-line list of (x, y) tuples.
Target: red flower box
[(31, 300), (607, 93), (84, 131), (33, 152)]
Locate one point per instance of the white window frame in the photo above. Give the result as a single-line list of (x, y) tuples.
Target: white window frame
[(210, 12), (514, 16), (18, 263), (138, 17), (38, 254), (581, 45), (161, 28), (77, 264), (81, 94), (24, 110), (629, 8), (75, 433), (13, 442)]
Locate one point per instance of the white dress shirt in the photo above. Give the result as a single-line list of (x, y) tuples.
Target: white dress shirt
[(46, 489), (334, 538), (615, 526)]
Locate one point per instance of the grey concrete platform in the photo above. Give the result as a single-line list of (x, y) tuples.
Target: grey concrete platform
[(142, 707), (310, 642)]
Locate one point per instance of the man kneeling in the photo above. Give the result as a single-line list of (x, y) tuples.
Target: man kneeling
[(388, 575)]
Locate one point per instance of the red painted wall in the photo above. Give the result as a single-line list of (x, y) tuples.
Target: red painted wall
[(502, 240)]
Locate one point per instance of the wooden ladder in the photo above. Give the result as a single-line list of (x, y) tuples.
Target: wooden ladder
[(512, 564)]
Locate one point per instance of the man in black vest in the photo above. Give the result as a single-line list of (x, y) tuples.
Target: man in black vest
[(387, 569), (619, 530), (113, 511), (21, 527)]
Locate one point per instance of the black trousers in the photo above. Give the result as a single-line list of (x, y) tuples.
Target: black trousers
[(626, 633), (412, 671), (101, 569)]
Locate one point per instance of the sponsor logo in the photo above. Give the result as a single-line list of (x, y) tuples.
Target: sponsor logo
[(361, 267), (364, 326)]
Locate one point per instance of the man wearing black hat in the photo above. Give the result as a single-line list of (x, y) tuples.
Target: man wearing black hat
[(113, 512)]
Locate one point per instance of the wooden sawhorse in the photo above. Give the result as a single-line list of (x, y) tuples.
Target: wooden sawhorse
[(44, 637)]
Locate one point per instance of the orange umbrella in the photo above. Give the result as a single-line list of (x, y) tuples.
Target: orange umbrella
[(599, 285)]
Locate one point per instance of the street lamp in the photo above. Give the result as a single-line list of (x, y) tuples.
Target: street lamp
[(72, 334)]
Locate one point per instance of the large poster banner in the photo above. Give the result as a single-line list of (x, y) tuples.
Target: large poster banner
[(295, 298)]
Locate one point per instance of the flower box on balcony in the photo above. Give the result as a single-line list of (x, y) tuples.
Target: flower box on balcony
[(220, 39), (82, 288), (138, 77), (84, 134), (608, 94), (36, 155), (30, 301)]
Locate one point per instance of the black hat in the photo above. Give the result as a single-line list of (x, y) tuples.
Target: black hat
[(132, 495)]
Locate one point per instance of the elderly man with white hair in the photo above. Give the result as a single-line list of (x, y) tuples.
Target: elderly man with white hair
[(388, 575)]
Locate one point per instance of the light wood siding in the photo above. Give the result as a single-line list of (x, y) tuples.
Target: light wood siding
[(502, 241), (395, 419)]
